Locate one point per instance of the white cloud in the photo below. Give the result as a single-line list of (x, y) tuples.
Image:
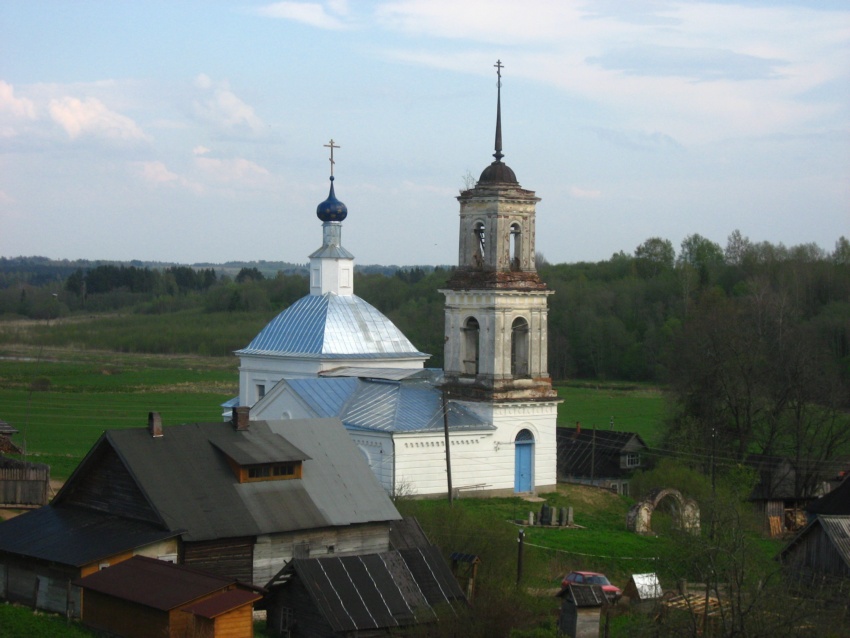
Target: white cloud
[(238, 170), (158, 174), (16, 107), (309, 13), (692, 71), (15, 112), (221, 107), (91, 117), (200, 150), (583, 193)]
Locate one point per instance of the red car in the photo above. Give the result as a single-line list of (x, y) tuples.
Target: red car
[(592, 578)]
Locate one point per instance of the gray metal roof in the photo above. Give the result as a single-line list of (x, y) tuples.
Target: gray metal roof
[(378, 591), (339, 326), (407, 405), (75, 536), (394, 374), (838, 530), (189, 483)]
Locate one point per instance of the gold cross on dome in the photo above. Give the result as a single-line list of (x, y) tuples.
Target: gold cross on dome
[(332, 146)]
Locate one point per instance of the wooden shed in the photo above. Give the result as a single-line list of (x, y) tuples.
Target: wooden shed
[(144, 597), (821, 549), (643, 591), (366, 595), (581, 608)]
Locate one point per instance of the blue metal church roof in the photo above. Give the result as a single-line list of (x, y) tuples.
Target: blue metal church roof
[(339, 326)]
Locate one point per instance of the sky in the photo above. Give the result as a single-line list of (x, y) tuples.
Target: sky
[(194, 131)]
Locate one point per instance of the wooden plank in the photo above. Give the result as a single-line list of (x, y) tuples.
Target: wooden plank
[(775, 525)]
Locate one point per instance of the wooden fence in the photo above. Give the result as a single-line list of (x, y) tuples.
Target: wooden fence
[(23, 484)]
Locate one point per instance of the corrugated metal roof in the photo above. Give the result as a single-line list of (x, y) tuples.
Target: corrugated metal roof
[(332, 325), (838, 530), (407, 405), (154, 583), (647, 586), (75, 536), (377, 591), (190, 484)]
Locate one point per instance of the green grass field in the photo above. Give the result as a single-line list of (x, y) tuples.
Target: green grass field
[(61, 400), (631, 408)]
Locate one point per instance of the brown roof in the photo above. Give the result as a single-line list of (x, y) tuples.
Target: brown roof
[(154, 583), (223, 603)]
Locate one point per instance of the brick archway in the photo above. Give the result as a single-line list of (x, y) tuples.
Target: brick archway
[(686, 511)]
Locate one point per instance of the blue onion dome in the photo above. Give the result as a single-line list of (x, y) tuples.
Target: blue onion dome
[(331, 210)]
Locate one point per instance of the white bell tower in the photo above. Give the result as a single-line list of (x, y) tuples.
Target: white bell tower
[(496, 321)]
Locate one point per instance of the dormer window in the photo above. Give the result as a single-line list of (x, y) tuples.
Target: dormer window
[(272, 459), (270, 472)]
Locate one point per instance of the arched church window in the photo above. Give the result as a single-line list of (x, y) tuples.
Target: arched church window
[(515, 246), (479, 236), (471, 334), (519, 348)]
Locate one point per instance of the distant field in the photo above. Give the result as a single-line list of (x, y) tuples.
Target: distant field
[(633, 408), (62, 400)]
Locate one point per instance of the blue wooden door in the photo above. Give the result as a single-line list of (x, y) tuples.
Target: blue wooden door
[(523, 466)]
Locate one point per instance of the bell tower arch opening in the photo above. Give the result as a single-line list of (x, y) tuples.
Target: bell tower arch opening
[(519, 348), (471, 349), (479, 252), (515, 246)]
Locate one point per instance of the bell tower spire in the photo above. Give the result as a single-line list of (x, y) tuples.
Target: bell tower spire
[(496, 304), (498, 154)]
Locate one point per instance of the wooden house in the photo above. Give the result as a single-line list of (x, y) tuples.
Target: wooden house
[(835, 502), (581, 607), (236, 499), (783, 492), (820, 550), (143, 597), (23, 484), (605, 458), (366, 595)]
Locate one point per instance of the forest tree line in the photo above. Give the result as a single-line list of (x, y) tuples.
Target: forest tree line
[(622, 318)]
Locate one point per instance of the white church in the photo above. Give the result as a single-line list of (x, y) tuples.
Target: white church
[(485, 425)]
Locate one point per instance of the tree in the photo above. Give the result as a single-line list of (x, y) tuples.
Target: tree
[(702, 255), (249, 274), (654, 256)]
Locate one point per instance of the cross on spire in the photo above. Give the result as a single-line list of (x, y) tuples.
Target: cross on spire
[(332, 146), (498, 154)]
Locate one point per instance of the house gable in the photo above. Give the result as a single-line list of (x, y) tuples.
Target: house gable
[(103, 483)]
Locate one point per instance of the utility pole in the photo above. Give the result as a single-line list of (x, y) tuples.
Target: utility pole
[(520, 548), (448, 444)]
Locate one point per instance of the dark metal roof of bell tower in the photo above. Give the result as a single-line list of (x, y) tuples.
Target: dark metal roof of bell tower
[(498, 171)]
